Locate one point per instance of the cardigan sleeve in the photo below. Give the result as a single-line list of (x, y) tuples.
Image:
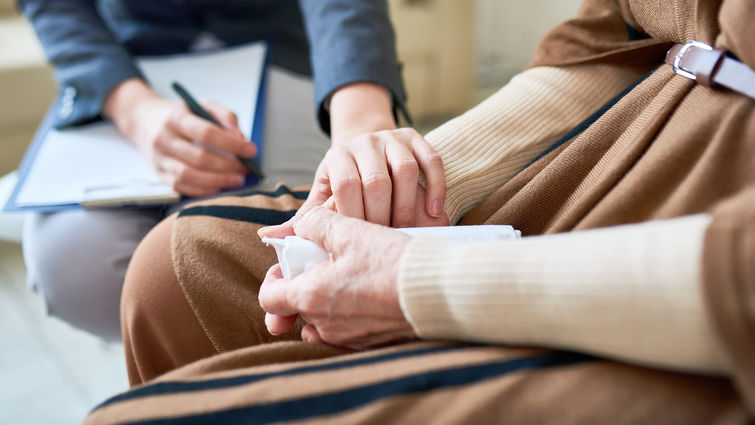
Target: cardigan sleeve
[(631, 292), (351, 41), (88, 61)]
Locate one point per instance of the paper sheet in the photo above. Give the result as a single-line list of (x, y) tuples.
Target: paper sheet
[(82, 164)]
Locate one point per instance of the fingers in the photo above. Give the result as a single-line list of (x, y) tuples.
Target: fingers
[(195, 182), (277, 295), (275, 324), (193, 128), (197, 156), (435, 176), (345, 183), (315, 198), (333, 231), (309, 334), (227, 119), (405, 174), (278, 325), (376, 181), (279, 231)]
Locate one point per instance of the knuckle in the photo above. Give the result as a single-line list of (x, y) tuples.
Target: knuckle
[(176, 114), (406, 167), (161, 140), (182, 174), (309, 300), (435, 159), (369, 138), (205, 133), (404, 210), (344, 183), (202, 159), (376, 181), (408, 132)]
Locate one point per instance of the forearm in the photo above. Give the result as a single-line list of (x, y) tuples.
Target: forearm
[(351, 41), (359, 108), (629, 292), (489, 144)]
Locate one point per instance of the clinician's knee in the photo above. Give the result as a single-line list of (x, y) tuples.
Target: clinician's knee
[(150, 279), (77, 260)]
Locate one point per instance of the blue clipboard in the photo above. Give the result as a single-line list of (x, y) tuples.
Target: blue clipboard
[(40, 136)]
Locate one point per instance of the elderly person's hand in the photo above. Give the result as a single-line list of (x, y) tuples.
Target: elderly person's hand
[(352, 300)]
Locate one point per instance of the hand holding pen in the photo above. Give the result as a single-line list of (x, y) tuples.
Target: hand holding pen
[(198, 110), (165, 131)]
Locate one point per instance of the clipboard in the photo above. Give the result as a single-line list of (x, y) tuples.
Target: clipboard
[(93, 166)]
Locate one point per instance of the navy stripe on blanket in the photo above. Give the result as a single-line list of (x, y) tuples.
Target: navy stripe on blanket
[(261, 216), (277, 193), (574, 132), (183, 387), (266, 217), (340, 401)]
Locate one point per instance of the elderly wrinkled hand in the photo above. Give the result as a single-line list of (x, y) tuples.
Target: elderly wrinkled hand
[(352, 300)]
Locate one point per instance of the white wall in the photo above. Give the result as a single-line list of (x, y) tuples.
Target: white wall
[(508, 31)]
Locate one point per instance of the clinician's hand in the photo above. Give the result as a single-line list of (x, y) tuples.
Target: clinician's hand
[(190, 154), (374, 177), (352, 300), (372, 169)]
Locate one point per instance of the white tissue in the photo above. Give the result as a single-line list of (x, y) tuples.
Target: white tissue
[(296, 254)]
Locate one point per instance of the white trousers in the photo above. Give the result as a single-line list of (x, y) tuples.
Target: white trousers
[(76, 260)]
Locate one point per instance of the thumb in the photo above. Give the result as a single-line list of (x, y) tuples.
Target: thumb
[(278, 231)]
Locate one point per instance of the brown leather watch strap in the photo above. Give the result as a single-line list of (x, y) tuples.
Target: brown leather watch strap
[(711, 67)]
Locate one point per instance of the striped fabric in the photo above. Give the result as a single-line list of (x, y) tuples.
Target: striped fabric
[(420, 382)]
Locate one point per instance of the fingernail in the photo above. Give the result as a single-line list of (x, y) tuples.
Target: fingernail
[(249, 149), (268, 318), (436, 208)]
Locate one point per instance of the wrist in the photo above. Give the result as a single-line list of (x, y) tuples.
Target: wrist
[(122, 104), (360, 108)]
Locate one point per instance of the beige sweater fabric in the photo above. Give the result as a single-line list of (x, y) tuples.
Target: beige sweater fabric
[(490, 143), (621, 292), (628, 292)]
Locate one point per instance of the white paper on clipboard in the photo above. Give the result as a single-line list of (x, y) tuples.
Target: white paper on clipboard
[(95, 165)]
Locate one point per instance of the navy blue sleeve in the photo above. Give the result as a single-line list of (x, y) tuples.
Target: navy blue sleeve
[(351, 41), (88, 61)]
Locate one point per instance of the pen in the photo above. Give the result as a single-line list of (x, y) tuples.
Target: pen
[(199, 111)]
